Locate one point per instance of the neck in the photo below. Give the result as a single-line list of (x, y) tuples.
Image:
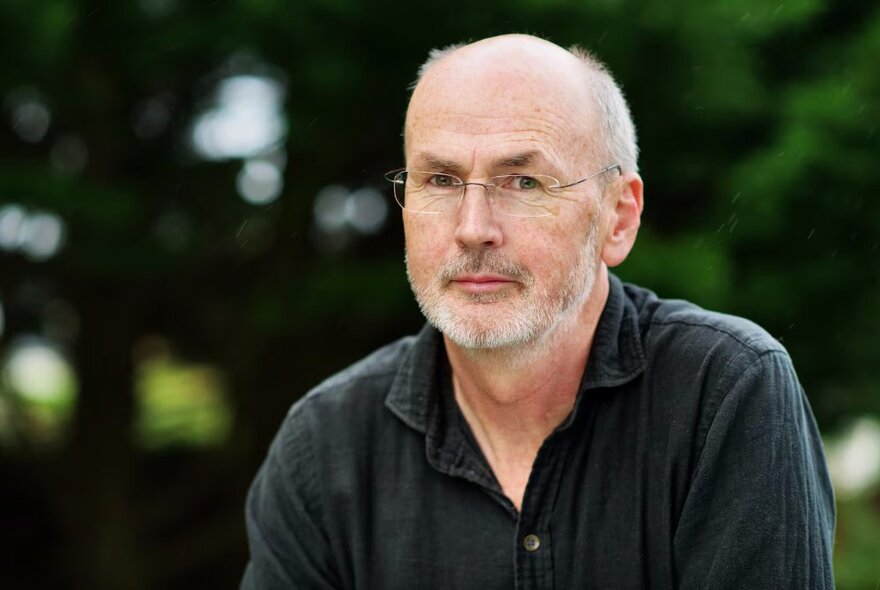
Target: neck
[(514, 398)]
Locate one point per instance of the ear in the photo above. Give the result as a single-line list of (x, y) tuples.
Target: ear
[(624, 212)]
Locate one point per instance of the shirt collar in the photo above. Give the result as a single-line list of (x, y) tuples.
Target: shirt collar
[(414, 391), (616, 357), (617, 354)]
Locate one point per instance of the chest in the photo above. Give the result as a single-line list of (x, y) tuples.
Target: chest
[(597, 510)]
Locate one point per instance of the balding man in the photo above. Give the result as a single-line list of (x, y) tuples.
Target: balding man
[(550, 427)]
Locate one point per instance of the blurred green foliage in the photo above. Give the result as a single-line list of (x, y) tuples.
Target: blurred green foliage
[(857, 543), (758, 127), (179, 405)]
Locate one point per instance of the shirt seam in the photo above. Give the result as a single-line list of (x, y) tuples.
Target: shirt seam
[(748, 343), (320, 389)]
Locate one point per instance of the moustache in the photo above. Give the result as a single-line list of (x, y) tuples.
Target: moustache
[(483, 261)]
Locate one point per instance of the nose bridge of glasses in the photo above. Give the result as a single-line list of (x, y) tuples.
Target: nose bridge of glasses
[(477, 211), (490, 193), (486, 185)]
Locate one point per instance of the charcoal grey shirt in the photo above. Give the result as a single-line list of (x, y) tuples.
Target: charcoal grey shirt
[(690, 460)]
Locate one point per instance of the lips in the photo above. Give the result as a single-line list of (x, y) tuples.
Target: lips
[(481, 283)]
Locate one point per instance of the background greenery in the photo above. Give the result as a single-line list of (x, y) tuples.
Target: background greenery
[(177, 321)]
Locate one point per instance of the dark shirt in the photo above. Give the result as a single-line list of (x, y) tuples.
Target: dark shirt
[(690, 460)]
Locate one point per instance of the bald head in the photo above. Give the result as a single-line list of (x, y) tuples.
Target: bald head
[(499, 47), (515, 75)]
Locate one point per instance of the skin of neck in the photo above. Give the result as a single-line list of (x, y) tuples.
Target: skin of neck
[(514, 397)]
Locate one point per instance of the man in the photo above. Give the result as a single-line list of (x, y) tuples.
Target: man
[(550, 427)]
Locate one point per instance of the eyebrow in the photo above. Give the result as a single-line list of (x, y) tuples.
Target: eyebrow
[(520, 160), (517, 160), (434, 162)]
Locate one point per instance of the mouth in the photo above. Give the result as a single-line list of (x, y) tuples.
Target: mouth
[(481, 283)]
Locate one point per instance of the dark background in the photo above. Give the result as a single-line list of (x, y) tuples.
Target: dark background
[(191, 237)]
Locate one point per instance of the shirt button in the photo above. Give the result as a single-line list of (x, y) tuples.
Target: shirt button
[(531, 542)]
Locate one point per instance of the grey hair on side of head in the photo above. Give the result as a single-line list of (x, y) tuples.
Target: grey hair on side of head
[(618, 143), (618, 132)]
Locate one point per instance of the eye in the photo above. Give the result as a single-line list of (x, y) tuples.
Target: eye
[(442, 181), (519, 183), (525, 183)]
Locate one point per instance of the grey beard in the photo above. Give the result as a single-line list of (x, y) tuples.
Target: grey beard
[(535, 311)]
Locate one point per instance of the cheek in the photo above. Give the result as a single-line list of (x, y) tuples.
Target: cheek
[(552, 253), (553, 268), (425, 245), (544, 258)]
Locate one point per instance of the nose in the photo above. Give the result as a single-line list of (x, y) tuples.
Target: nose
[(476, 223)]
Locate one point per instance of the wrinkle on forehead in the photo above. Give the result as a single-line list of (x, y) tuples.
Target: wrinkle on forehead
[(475, 124), (469, 154), (497, 100), (469, 139)]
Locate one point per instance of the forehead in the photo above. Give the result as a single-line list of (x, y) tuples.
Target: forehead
[(461, 145), (500, 105)]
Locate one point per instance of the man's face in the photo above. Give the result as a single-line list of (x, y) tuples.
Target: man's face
[(486, 279)]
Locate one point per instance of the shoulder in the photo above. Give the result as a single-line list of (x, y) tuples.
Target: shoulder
[(337, 416), (676, 326), (698, 361), (353, 394), (695, 357), (318, 460), (326, 439)]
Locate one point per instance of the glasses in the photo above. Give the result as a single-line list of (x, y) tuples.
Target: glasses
[(519, 195)]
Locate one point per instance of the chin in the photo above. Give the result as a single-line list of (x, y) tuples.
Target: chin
[(476, 327)]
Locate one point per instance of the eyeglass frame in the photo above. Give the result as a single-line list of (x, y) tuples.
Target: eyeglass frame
[(392, 174)]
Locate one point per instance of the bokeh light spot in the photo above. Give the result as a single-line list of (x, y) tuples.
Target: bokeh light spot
[(259, 182), (330, 208), (42, 388), (37, 372), (366, 210), (12, 217), (247, 119), (30, 117), (339, 212), (854, 457), (42, 236)]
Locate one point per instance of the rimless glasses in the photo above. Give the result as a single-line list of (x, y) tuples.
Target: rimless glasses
[(519, 195)]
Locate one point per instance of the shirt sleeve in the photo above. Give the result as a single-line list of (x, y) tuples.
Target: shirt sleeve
[(288, 545), (760, 509)]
